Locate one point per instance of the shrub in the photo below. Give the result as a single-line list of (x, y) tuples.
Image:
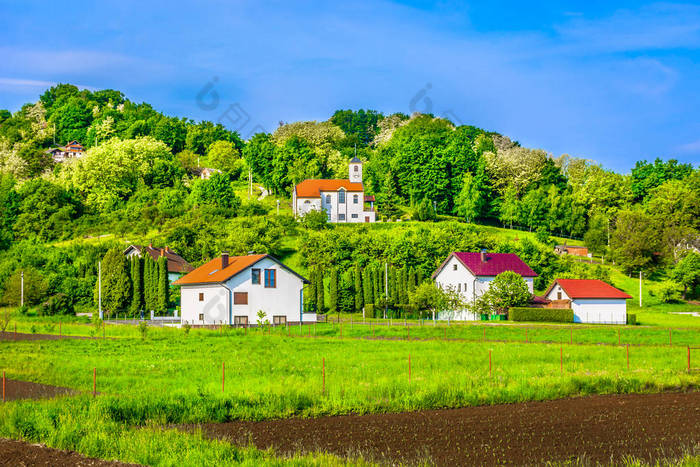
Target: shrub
[(556, 315), (143, 329), (668, 293), (315, 219), (369, 310), (631, 319), (186, 328), (59, 304)]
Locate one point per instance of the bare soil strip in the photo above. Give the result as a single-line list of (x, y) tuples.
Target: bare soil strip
[(20, 336), (596, 428), (21, 453), (15, 389)]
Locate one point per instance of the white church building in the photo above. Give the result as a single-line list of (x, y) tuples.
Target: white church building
[(342, 200)]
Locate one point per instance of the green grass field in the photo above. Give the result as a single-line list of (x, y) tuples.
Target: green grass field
[(171, 378)]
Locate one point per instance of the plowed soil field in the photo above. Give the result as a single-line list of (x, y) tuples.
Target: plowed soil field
[(596, 428)]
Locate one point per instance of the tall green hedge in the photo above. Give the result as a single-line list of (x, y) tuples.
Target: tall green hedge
[(556, 315)]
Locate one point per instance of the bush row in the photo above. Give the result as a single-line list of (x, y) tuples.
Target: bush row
[(557, 315)]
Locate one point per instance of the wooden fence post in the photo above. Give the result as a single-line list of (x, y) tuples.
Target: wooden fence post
[(409, 367), (94, 382), (489, 363), (3, 383), (323, 390), (223, 375)]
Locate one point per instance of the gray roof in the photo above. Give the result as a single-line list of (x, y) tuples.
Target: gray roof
[(355, 160)]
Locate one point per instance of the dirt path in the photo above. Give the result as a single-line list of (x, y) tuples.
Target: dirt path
[(597, 428), (20, 453), (15, 389)]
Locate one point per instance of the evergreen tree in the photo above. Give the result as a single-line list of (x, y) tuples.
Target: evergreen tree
[(346, 295), (310, 292), (389, 200), (403, 285), (320, 293), (367, 285), (333, 291), (116, 284), (412, 281), (136, 285), (147, 289), (357, 289), (393, 291), (163, 286)]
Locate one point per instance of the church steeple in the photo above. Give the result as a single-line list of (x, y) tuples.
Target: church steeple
[(355, 170)]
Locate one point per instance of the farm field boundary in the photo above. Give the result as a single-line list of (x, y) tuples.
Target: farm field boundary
[(13, 452)]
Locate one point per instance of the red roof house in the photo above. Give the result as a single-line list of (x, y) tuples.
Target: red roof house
[(489, 264), (592, 300)]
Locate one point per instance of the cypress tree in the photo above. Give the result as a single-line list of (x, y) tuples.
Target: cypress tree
[(163, 287), (116, 283), (136, 285), (346, 295), (320, 292), (359, 296), (393, 291), (147, 289), (412, 281), (377, 289), (333, 291), (367, 285), (310, 293)]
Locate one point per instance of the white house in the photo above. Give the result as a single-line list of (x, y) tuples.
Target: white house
[(232, 290), (471, 273), (343, 200), (592, 300)]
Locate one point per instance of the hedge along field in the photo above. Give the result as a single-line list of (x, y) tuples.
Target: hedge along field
[(179, 380)]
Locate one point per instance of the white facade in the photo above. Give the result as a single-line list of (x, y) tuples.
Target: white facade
[(458, 277), (216, 303), (341, 204), (593, 310)]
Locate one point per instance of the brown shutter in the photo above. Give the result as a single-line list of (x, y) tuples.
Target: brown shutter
[(240, 298)]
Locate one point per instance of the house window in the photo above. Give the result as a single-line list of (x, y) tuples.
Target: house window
[(240, 298), (201, 296), (255, 276), (341, 217), (454, 267), (270, 278), (459, 287), (328, 199), (307, 202), (341, 197), (201, 316), (354, 216), (277, 320), (558, 295), (240, 320), (465, 286), (355, 199)]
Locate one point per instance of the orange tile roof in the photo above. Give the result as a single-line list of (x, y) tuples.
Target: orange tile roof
[(588, 288), (313, 188), (211, 272)]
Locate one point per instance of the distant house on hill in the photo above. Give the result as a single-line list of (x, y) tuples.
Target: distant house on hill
[(592, 300), (206, 173), (233, 289), (72, 150), (343, 200), (471, 273), (571, 250), (177, 265)]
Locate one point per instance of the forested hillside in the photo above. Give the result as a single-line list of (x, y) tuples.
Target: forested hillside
[(139, 181)]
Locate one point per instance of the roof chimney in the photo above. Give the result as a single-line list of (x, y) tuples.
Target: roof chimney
[(251, 252), (224, 259), (483, 255), (162, 251)]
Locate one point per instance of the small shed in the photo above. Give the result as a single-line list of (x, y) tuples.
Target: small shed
[(571, 250), (592, 300)]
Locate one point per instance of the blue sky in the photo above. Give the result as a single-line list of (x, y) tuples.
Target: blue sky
[(613, 83)]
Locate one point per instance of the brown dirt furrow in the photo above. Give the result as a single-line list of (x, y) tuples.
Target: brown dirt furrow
[(15, 389), (21, 453), (595, 428)]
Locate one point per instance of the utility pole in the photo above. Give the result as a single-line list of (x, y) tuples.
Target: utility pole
[(99, 289), (640, 289), (21, 298), (250, 183), (278, 207)]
